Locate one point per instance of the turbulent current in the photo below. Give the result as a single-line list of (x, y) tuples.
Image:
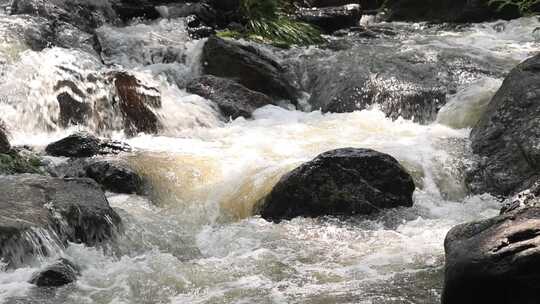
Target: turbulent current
[(194, 238)]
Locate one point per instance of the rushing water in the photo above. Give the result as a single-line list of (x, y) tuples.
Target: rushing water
[(194, 239)]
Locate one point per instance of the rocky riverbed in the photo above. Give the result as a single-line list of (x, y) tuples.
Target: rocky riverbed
[(144, 159)]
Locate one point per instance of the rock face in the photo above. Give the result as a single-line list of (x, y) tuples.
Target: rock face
[(84, 145), (137, 104), (494, 261), (248, 66), (112, 175), (506, 137), (4, 142), (331, 19), (448, 10), (60, 273), (233, 99), (340, 182), (37, 211)]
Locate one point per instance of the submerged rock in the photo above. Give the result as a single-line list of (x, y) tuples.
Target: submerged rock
[(112, 175), (85, 145), (233, 99), (346, 181), (38, 212), (249, 66), (137, 103), (331, 19), (494, 261), (60, 273), (506, 137)]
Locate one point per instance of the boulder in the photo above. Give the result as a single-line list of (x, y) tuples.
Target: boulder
[(85, 145), (202, 11), (73, 111), (506, 137), (494, 261), (331, 19), (233, 99), (112, 175), (60, 273), (526, 198), (85, 15), (5, 146), (248, 66), (449, 10), (137, 103), (40, 213), (345, 181)]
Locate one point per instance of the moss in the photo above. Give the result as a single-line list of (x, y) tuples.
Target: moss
[(526, 7), (16, 163)]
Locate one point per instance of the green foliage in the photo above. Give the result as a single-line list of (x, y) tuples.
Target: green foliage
[(267, 21), (525, 6), (14, 163)]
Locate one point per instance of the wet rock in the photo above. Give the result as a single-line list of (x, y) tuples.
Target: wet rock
[(129, 9), (84, 145), (248, 66), (113, 175), (233, 99), (346, 181), (525, 198), (354, 79), (38, 212), (85, 15), (449, 10), (137, 103), (202, 11), (494, 261), (330, 19), (73, 111), (326, 3), (60, 273), (506, 137), (5, 147), (18, 161)]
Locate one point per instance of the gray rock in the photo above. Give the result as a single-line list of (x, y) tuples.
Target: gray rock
[(85, 145), (233, 99), (4, 141), (506, 137), (346, 181), (494, 261), (330, 19), (38, 212)]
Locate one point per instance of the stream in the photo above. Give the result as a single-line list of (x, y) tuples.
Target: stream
[(194, 238)]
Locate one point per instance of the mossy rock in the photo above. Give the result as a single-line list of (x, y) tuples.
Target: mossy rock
[(16, 163)]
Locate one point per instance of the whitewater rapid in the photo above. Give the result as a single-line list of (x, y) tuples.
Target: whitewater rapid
[(194, 238)]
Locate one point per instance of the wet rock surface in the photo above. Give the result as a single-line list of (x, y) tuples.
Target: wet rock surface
[(346, 181), (137, 103), (495, 260), (5, 146), (506, 137), (233, 99), (113, 175), (38, 210), (85, 145), (248, 66), (60, 273), (331, 19)]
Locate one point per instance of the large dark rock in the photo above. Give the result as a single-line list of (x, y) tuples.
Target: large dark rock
[(506, 137), (73, 109), (113, 175), (233, 99), (330, 19), (137, 103), (85, 15), (494, 261), (248, 66), (39, 211), (5, 147), (340, 182), (448, 10), (60, 273), (85, 145)]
